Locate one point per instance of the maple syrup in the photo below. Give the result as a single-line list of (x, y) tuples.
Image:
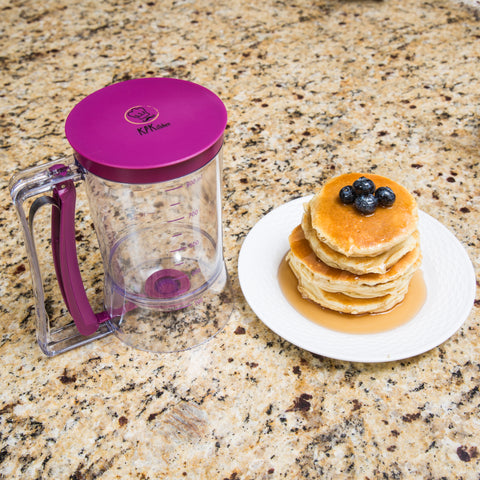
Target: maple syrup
[(348, 323)]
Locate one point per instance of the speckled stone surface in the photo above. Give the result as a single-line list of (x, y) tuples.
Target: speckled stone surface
[(313, 89)]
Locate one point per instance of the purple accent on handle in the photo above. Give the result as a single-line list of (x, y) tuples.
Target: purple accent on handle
[(59, 170), (56, 248), (66, 262), (147, 130)]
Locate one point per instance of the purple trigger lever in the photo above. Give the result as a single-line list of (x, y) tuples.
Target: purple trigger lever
[(65, 257)]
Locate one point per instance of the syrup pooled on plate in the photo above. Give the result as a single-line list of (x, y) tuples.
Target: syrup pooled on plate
[(355, 324)]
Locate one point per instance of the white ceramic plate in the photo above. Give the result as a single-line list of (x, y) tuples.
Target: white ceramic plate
[(447, 271)]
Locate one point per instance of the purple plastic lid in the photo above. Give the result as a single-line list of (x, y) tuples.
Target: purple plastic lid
[(147, 130)]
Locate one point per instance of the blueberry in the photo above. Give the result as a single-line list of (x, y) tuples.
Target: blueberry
[(366, 204), (385, 196), (347, 195), (363, 186)]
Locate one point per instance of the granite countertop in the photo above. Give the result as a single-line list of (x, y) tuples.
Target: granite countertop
[(313, 89)]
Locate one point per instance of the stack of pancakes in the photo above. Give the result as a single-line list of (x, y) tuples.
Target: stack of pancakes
[(355, 263)]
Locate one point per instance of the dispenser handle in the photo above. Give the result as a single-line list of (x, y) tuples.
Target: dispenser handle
[(65, 258), (54, 184)]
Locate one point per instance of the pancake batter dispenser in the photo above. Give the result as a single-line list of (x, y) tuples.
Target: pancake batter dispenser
[(149, 152)]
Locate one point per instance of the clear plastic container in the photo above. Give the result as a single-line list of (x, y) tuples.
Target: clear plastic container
[(149, 154)]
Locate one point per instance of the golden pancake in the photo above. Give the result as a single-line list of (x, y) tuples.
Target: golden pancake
[(353, 234), (359, 265), (310, 270), (355, 306)]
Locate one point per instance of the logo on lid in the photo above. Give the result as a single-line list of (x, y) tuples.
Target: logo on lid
[(141, 114)]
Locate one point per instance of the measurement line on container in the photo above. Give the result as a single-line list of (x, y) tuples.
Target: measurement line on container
[(175, 220), (181, 249), (173, 188)]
